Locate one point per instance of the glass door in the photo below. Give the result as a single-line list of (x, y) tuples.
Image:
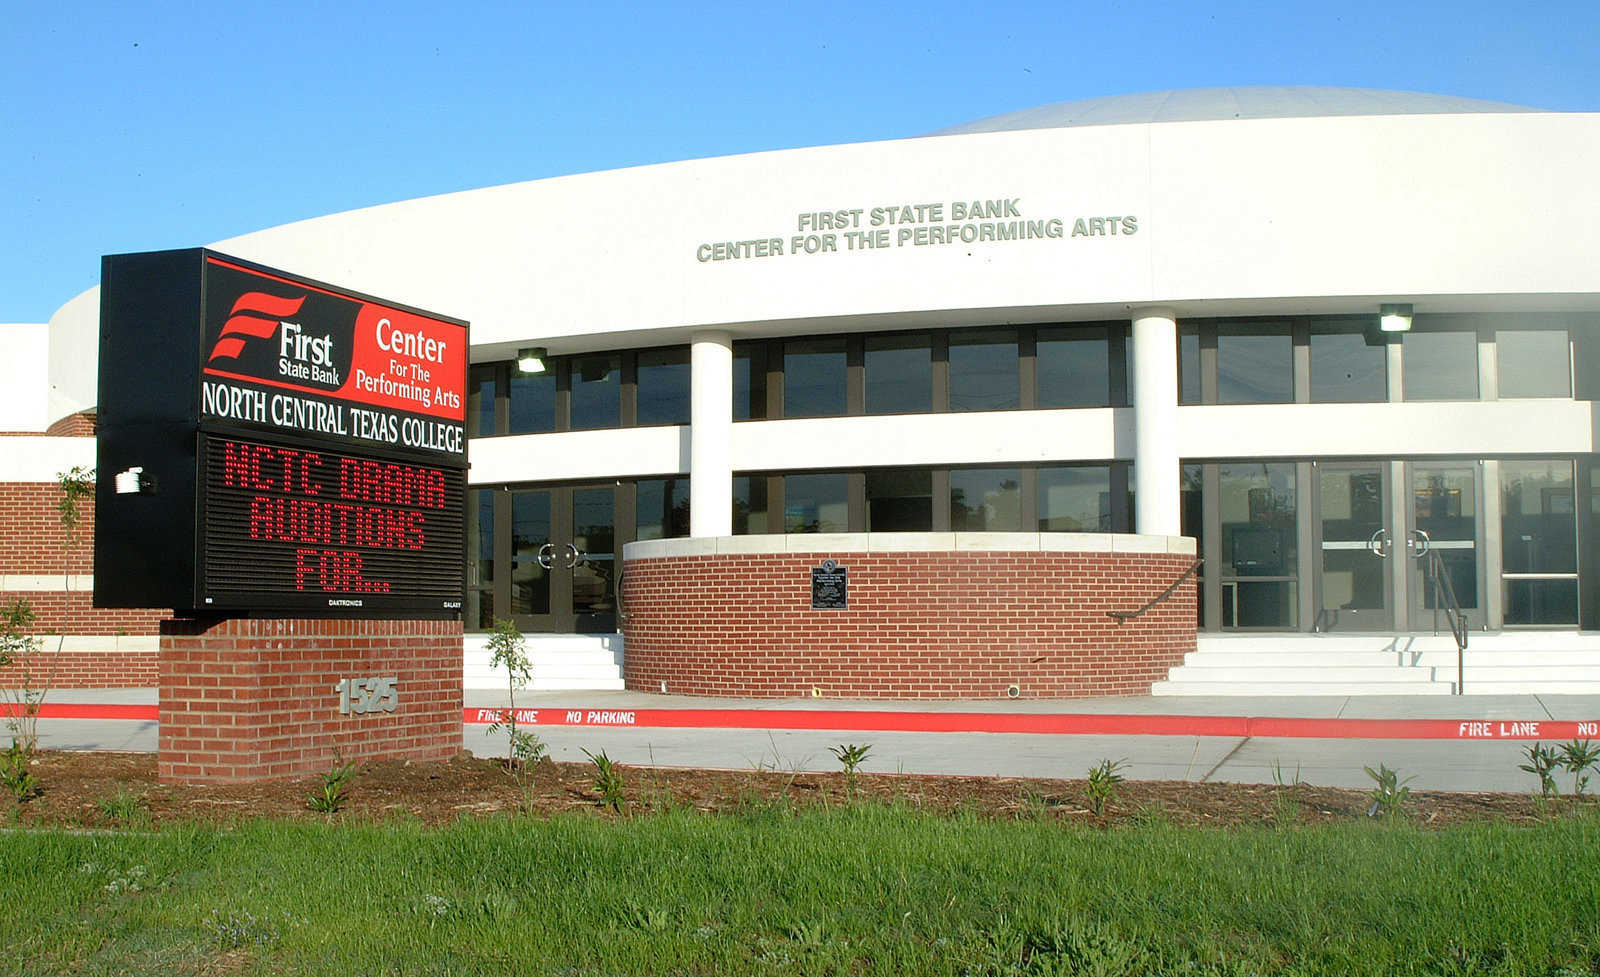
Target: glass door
[(563, 560), (590, 560), (1357, 548), (1442, 542)]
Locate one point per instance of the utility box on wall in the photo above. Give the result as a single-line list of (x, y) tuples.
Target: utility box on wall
[(272, 445)]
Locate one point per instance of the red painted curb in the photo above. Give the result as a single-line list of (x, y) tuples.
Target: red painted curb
[(1059, 724), (1070, 724)]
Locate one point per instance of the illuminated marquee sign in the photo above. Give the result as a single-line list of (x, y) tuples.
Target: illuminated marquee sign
[(300, 448), (293, 527)]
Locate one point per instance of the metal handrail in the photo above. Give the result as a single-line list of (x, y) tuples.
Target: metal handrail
[(1444, 597), (1122, 616)]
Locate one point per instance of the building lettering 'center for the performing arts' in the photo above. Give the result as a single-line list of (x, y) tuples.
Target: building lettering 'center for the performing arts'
[(915, 225)]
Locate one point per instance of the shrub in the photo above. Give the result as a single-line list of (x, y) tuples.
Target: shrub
[(1101, 788), (1390, 793)]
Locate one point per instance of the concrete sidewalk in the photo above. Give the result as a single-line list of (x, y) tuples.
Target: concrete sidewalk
[(1449, 764)]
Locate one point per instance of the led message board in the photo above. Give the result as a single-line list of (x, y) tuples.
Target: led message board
[(285, 445)]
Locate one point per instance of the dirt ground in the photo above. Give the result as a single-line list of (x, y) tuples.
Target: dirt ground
[(98, 790)]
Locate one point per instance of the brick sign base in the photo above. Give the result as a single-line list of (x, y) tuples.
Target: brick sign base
[(985, 616), (256, 698)]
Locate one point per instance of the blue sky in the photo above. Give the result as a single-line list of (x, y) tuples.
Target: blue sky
[(139, 126)]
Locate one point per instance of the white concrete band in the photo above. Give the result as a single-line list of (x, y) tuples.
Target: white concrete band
[(711, 434), (1155, 419)]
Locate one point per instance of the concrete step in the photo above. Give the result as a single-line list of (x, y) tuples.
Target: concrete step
[(560, 662), (1365, 675), (1541, 688), (1296, 688)]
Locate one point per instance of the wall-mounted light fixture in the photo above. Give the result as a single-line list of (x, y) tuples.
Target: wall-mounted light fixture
[(531, 359), (1395, 317)]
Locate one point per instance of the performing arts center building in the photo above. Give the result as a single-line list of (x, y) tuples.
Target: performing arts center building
[(1304, 376)]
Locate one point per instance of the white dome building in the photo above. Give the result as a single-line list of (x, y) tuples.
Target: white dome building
[(1156, 313)]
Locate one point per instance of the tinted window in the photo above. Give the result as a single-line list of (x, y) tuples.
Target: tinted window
[(1440, 365), (1347, 366), (900, 501), (814, 378), (749, 381), (983, 370), (662, 508), (533, 402), (481, 402), (816, 503), (985, 500), (1188, 365), (1075, 500), (596, 391), (663, 387), (1255, 365), (899, 372), (1533, 362), (1073, 367), (749, 504)]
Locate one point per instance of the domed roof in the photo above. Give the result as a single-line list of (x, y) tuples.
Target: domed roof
[(1208, 104)]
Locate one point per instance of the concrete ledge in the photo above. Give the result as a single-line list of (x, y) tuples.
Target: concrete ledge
[(827, 543)]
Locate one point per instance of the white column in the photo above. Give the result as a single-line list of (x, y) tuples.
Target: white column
[(710, 434), (1155, 416)]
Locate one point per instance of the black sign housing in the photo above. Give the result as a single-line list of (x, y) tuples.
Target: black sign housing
[(330, 503)]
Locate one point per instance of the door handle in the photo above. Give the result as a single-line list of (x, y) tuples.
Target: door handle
[(575, 557), (546, 555), (1379, 544), (1419, 542)]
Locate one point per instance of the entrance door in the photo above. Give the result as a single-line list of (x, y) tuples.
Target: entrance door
[(1357, 548), (1443, 522), (563, 559)]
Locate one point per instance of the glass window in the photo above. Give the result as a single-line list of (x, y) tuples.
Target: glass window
[(1348, 365), (1258, 570), (1188, 364), (1192, 522), (662, 508), (1440, 365), (663, 386), (899, 374), (816, 503), (749, 504), (814, 378), (533, 402), (1538, 527), (1538, 531), (1075, 500), (1255, 364), (985, 500), (749, 381), (480, 560), (1533, 362), (530, 532), (481, 387), (984, 370), (900, 500), (596, 391), (1073, 367)]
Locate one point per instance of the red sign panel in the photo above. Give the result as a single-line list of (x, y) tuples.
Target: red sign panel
[(298, 357)]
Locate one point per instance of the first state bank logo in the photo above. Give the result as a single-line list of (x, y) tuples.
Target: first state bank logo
[(297, 337)]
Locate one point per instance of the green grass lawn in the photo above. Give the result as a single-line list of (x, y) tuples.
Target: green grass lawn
[(869, 890)]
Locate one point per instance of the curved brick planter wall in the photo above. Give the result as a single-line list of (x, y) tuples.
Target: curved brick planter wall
[(931, 615)]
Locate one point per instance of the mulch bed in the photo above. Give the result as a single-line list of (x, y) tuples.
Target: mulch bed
[(84, 789)]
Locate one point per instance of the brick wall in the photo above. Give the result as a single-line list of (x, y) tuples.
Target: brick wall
[(101, 669), (253, 699), (919, 625), (31, 534), (31, 544)]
